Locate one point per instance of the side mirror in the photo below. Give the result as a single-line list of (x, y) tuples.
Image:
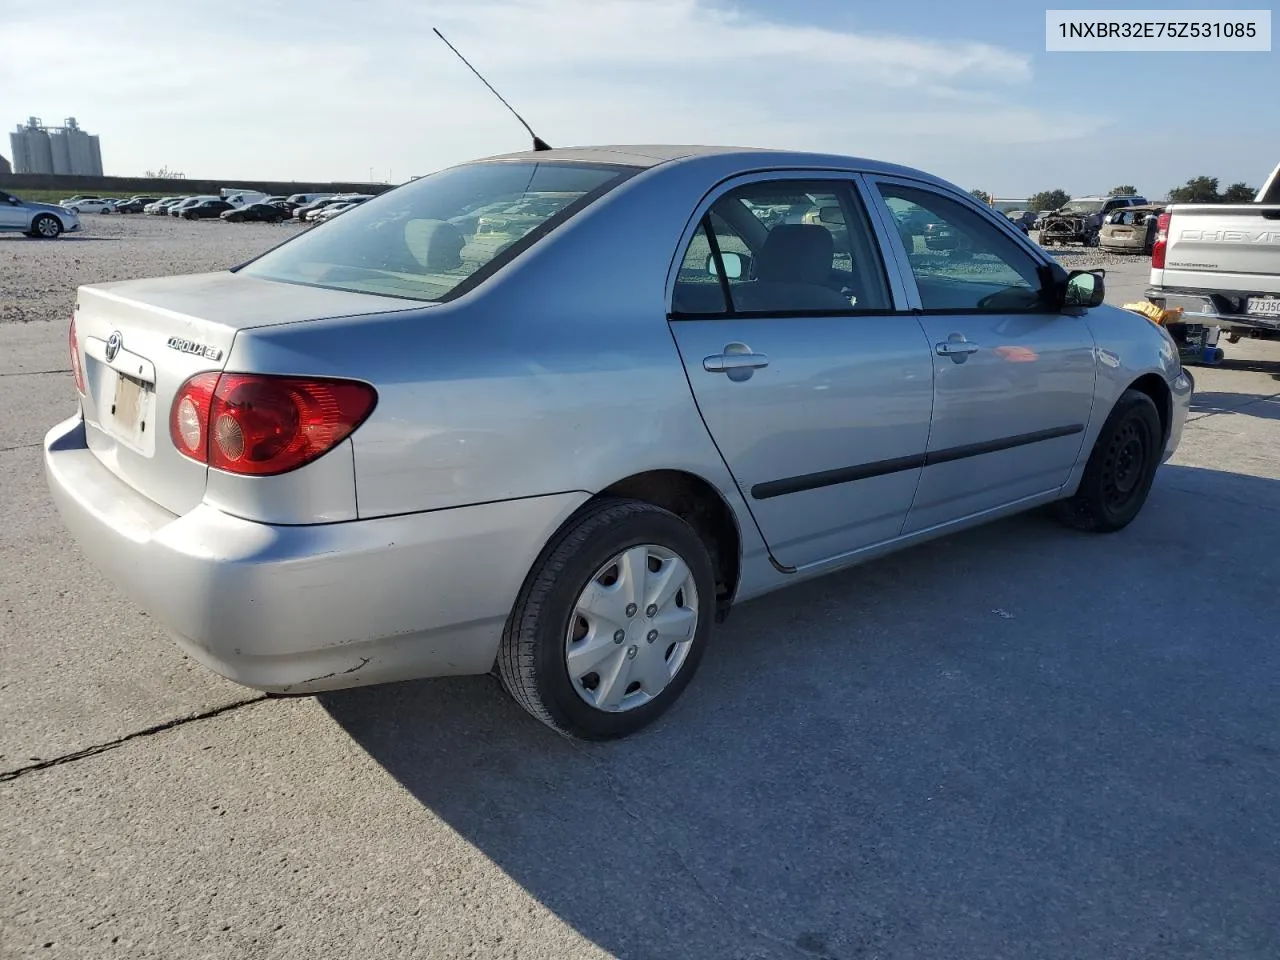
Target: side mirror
[(1085, 288), (736, 265), (831, 215)]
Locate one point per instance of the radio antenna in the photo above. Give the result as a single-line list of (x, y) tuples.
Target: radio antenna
[(538, 142)]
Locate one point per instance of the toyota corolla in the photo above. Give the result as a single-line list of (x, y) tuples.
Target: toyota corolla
[(551, 414)]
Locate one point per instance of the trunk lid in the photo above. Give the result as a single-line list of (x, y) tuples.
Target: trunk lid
[(139, 341)]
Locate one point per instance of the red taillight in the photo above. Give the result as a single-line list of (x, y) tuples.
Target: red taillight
[(76, 369), (1161, 242), (262, 425)]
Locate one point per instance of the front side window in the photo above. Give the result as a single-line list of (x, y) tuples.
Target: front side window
[(959, 260), (436, 237), (781, 247)]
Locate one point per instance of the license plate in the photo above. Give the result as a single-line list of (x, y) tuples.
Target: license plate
[(129, 409), (1264, 306)]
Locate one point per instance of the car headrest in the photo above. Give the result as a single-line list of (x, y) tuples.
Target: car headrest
[(796, 253), (435, 244)]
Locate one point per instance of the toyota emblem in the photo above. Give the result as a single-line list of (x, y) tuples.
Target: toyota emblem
[(114, 342)]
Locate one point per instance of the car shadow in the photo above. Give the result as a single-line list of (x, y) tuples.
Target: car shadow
[(1017, 741), (1268, 408)]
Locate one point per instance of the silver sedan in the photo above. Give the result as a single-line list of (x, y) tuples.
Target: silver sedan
[(551, 414)]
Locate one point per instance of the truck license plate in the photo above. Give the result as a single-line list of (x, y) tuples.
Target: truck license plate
[(1264, 306)]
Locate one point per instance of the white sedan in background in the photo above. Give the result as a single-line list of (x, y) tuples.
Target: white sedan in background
[(93, 205)]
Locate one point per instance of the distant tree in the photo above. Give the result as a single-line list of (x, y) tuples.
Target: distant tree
[(1196, 190), (981, 195), (1125, 190), (1239, 193), (1049, 200)]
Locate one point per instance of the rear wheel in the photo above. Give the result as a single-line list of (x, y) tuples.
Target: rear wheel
[(46, 227), (612, 621), (1120, 470)]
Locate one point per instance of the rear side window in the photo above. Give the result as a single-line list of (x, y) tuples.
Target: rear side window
[(781, 247), (438, 236)]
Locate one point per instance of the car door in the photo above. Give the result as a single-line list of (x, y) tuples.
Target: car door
[(1013, 378), (13, 214), (809, 370)]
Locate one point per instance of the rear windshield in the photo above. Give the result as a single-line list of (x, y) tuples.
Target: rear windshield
[(438, 236)]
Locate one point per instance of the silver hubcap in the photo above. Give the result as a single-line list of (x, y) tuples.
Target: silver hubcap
[(632, 628), (47, 228)]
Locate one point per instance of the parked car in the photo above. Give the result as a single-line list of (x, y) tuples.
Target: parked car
[(78, 197), (302, 199), (1022, 219), (1079, 220), (161, 207), (207, 209), (182, 206), (45, 221), (1130, 230), (332, 210), (263, 212), (571, 458), (305, 211), (92, 205), (135, 204)]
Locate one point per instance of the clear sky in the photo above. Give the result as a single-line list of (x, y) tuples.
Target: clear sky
[(321, 90)]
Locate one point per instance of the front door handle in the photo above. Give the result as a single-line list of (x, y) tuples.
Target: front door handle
[(728, 362), (956, 347)]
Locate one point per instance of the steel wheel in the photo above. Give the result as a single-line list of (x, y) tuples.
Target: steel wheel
[(1123, 467), (631, 628), (1120, 469)]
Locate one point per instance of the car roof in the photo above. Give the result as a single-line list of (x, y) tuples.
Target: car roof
[(652, 155)]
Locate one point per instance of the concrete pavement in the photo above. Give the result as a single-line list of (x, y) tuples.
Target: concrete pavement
[(1017, 742)]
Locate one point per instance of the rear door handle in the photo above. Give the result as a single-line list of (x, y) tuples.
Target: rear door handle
[(727, 362)]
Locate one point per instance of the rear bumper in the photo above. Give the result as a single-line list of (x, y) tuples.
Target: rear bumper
[(1201, 307), (302, 609)]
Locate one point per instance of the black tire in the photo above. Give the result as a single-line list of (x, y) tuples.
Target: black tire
[(46, 227), (1120, 470), (531, 658)]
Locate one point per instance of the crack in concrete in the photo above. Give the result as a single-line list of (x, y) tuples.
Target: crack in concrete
[(21, 446), (744, 923), (96, 749), (33, 373)]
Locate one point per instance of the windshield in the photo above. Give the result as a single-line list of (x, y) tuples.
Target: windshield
[(1083, 206), (436, 237)]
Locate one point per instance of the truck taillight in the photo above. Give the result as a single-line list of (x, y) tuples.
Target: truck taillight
[(77, 370), (259, 425), (1161, 242)]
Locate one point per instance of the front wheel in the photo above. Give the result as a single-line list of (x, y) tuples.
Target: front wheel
[(611, 623), (1120, 470), (46, 227)]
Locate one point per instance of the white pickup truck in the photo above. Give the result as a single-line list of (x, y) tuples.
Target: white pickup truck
[(1221, 264)]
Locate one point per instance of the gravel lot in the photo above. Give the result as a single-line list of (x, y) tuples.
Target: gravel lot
[(38, 279), (1017, 742)]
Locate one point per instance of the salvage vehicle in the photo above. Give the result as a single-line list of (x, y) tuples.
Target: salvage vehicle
[(44, 221), (1130, 230), (382, 451), (1220, 263), (1079, 220)]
